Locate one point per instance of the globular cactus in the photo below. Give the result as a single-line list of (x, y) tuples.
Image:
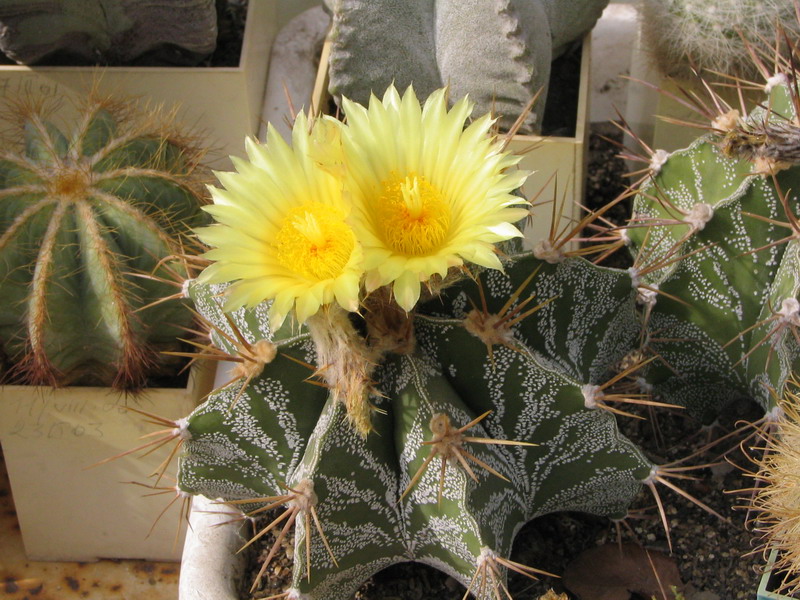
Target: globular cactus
[(713, 36), (437, 480), (498, 52), (99, 32), (83, 215)]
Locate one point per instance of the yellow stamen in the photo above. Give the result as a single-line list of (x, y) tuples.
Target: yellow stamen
[(314, 241), (412, 215)]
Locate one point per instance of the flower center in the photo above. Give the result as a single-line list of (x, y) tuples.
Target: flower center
[(314, 241), (412, 215)]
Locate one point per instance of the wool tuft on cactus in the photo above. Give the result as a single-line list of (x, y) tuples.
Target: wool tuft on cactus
[(89, 219)]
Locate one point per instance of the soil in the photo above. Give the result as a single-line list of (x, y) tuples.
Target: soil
[(716, 559)]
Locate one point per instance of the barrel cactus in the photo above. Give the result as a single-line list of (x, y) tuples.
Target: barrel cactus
[(83, 215), (718, 268), (498, 52)]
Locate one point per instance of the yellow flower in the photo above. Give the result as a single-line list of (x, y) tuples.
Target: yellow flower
[(281, 231), (427, 193)]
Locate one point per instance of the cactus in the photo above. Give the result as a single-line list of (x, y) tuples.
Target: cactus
[(288, 441), (82, 216), (723, 318), (498, 52), (712, 37), (719, 273), (776, 501), (489, 398), (99, 32)]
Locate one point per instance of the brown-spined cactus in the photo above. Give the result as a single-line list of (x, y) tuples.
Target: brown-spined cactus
[(84, 214), (103, 32), (496, 51)]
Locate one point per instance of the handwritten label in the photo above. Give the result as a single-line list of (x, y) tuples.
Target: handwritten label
[(20, 86), (43, 417)]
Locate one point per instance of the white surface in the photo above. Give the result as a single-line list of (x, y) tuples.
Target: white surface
[(211, 567), (293, 68), (612, 45)]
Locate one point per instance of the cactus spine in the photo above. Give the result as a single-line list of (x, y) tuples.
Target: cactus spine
[(82, 215)]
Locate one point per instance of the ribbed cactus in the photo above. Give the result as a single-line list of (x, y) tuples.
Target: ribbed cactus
[(712, 36), (433, 422), (498, 51), (723, 318), (82, 216), (537, 376), (101, 32), (717, 260)]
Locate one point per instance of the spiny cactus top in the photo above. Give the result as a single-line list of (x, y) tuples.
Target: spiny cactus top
[(82, 215), (717, 259), (712, 36)]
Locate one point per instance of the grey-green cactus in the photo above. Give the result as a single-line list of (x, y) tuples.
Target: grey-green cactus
[(82, 215), (99, 31), (711, 36), (498, 52)]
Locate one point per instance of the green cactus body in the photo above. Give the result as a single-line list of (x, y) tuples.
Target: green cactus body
[(498, 52), (80, 216), (281, 430), (723, 322)]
